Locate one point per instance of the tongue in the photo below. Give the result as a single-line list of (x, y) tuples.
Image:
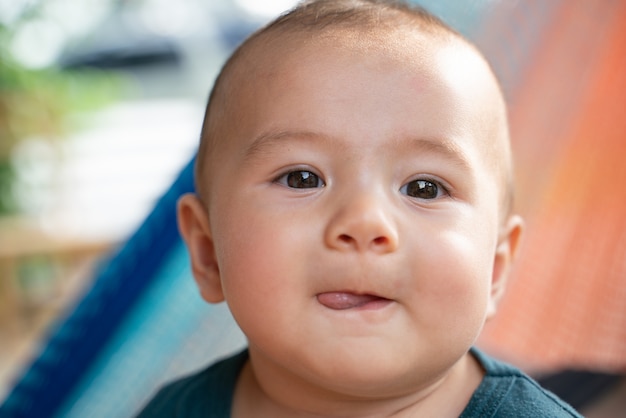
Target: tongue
[(343, 300)]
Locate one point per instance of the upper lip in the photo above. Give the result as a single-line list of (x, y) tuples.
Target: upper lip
[(358, 287), (359, 280), (357, 293)]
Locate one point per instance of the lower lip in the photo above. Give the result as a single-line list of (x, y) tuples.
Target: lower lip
[(345, 301)]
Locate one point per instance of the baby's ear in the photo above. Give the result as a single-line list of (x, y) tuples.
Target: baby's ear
[(508, 244), (193, 224)]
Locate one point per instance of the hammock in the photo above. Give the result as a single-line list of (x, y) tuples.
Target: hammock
[(141, 324)]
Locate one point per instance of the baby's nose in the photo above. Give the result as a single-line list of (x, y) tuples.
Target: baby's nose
[(362, 224)]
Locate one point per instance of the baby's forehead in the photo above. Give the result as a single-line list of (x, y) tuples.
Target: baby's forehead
[(425, 53), (428, 58)]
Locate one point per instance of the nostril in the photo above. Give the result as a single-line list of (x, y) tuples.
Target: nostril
[(345, 238), (380, 241), (377, 241)]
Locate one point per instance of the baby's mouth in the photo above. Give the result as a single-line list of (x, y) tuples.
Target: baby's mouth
[(347, 300)]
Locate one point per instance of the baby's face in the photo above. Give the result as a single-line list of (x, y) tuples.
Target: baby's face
[(354, 211)]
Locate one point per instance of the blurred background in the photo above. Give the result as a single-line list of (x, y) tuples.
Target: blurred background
[(100, 108), (101, 103)]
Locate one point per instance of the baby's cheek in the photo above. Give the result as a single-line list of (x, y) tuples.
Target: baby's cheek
[(460, 288), (253, 276)]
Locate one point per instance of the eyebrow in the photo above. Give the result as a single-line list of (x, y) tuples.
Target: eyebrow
[(266, 142), (435, 145), (447, 148)]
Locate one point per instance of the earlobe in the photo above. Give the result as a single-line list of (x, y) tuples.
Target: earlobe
[(508, 245), (193, 224)]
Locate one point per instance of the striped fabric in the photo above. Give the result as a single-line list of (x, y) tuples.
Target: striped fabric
[(566, 305)]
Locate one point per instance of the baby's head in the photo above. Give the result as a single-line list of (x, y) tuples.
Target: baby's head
[(354, 183)]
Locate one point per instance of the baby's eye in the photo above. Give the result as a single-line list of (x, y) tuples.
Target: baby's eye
[(300, 179), (423, 189)]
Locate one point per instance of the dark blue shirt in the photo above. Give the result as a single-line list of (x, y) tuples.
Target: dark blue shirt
[(504, 392)]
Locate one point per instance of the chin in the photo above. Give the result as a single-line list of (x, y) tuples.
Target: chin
[(371, 375)]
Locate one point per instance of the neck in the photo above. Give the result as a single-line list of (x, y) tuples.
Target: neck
[(264, 393)]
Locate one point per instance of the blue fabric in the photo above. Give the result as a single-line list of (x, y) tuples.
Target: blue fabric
[(78, 341), (206, 394)]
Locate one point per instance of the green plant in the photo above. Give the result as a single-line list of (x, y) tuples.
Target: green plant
[(37, 103)]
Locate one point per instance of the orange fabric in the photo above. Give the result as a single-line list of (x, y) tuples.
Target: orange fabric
[(566, 304)]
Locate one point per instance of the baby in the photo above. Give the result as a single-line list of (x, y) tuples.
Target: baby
[(353, 209)]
